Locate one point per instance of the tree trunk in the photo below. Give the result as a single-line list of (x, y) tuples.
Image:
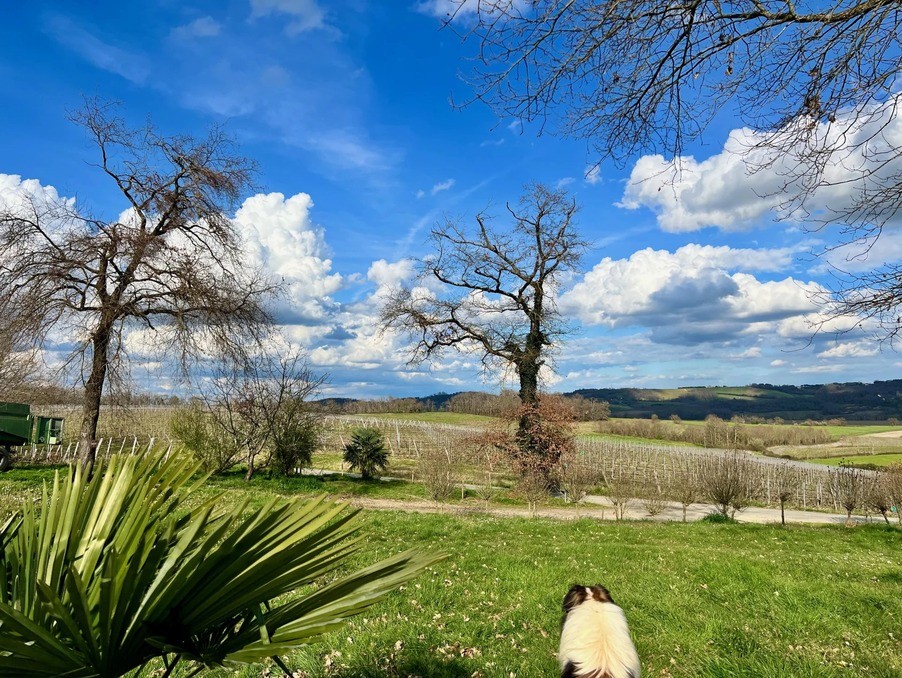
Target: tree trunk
[(87, 444), (528, 372), (782, 514)]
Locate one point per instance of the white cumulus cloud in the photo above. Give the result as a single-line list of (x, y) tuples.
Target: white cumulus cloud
[(747, 182), (696, 293), (851, 349), (282, 239)]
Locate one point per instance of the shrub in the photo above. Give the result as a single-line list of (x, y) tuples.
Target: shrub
[(576, 475), (210, 445), (620, 490), (489, 461), (892, 479), (685, 486), (294, 439), (114, 571), (847, 485), (437, 473), (727, 480), (718, 518), (654, 499), (366, 452), (878, 496), (532, 486)]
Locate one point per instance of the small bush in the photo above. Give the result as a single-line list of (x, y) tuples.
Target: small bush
[(847, 485), (532, 486), (489, 461), (208, 443), (366, 452), (718, 518), (437, 473), (576, 475), (294, 440), (654, 500), (726, 480)]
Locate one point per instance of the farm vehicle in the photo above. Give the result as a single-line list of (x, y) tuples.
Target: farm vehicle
[(18, 427)]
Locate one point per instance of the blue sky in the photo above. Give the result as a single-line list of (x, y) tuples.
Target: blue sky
[(345, 106)]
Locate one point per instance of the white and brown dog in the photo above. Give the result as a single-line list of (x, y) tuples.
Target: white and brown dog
[(595, 639)]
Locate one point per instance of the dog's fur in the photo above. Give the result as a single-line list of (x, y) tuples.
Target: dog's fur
[(595, 639)]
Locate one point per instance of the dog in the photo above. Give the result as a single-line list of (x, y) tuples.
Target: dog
[(595, 638)]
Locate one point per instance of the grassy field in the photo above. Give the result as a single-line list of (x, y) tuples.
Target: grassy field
[(875, 459), (702, 599), (858, 429)]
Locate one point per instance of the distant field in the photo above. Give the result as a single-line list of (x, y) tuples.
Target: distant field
[(636, 439), (876, 459), (859, 429), (436, 418)]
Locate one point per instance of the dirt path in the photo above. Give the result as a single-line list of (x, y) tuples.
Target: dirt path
[(599, 508)]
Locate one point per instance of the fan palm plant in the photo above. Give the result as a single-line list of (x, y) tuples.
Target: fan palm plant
[(114, 571), (366, 452)]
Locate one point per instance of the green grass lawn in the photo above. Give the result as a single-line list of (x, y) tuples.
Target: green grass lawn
[(876, 459), (702, 599)]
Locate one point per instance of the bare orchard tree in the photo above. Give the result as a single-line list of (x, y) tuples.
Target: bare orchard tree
[(728, 480), (847, 485), (171, 267), (262, 404), (497, 289), (785, 486), (878, 495), (816, 83)]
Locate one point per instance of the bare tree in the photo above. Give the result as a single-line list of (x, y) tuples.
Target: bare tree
[(171, 267), (577, 475), (785, 486), (892, 480), (815, 82), (878, 495), (847, 485), (686, 488), (728, 481), (262, 403), (497, 289)]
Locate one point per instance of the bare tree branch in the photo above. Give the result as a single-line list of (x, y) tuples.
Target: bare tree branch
[(172, 265), (816, 81)]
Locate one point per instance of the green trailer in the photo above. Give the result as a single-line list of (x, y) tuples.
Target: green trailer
[(18, 426)]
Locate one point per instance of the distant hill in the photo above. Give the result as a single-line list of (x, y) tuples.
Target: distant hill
[(853, 401)]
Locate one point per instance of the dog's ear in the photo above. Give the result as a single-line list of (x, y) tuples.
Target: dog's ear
[(576, 595), (601, 594)]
